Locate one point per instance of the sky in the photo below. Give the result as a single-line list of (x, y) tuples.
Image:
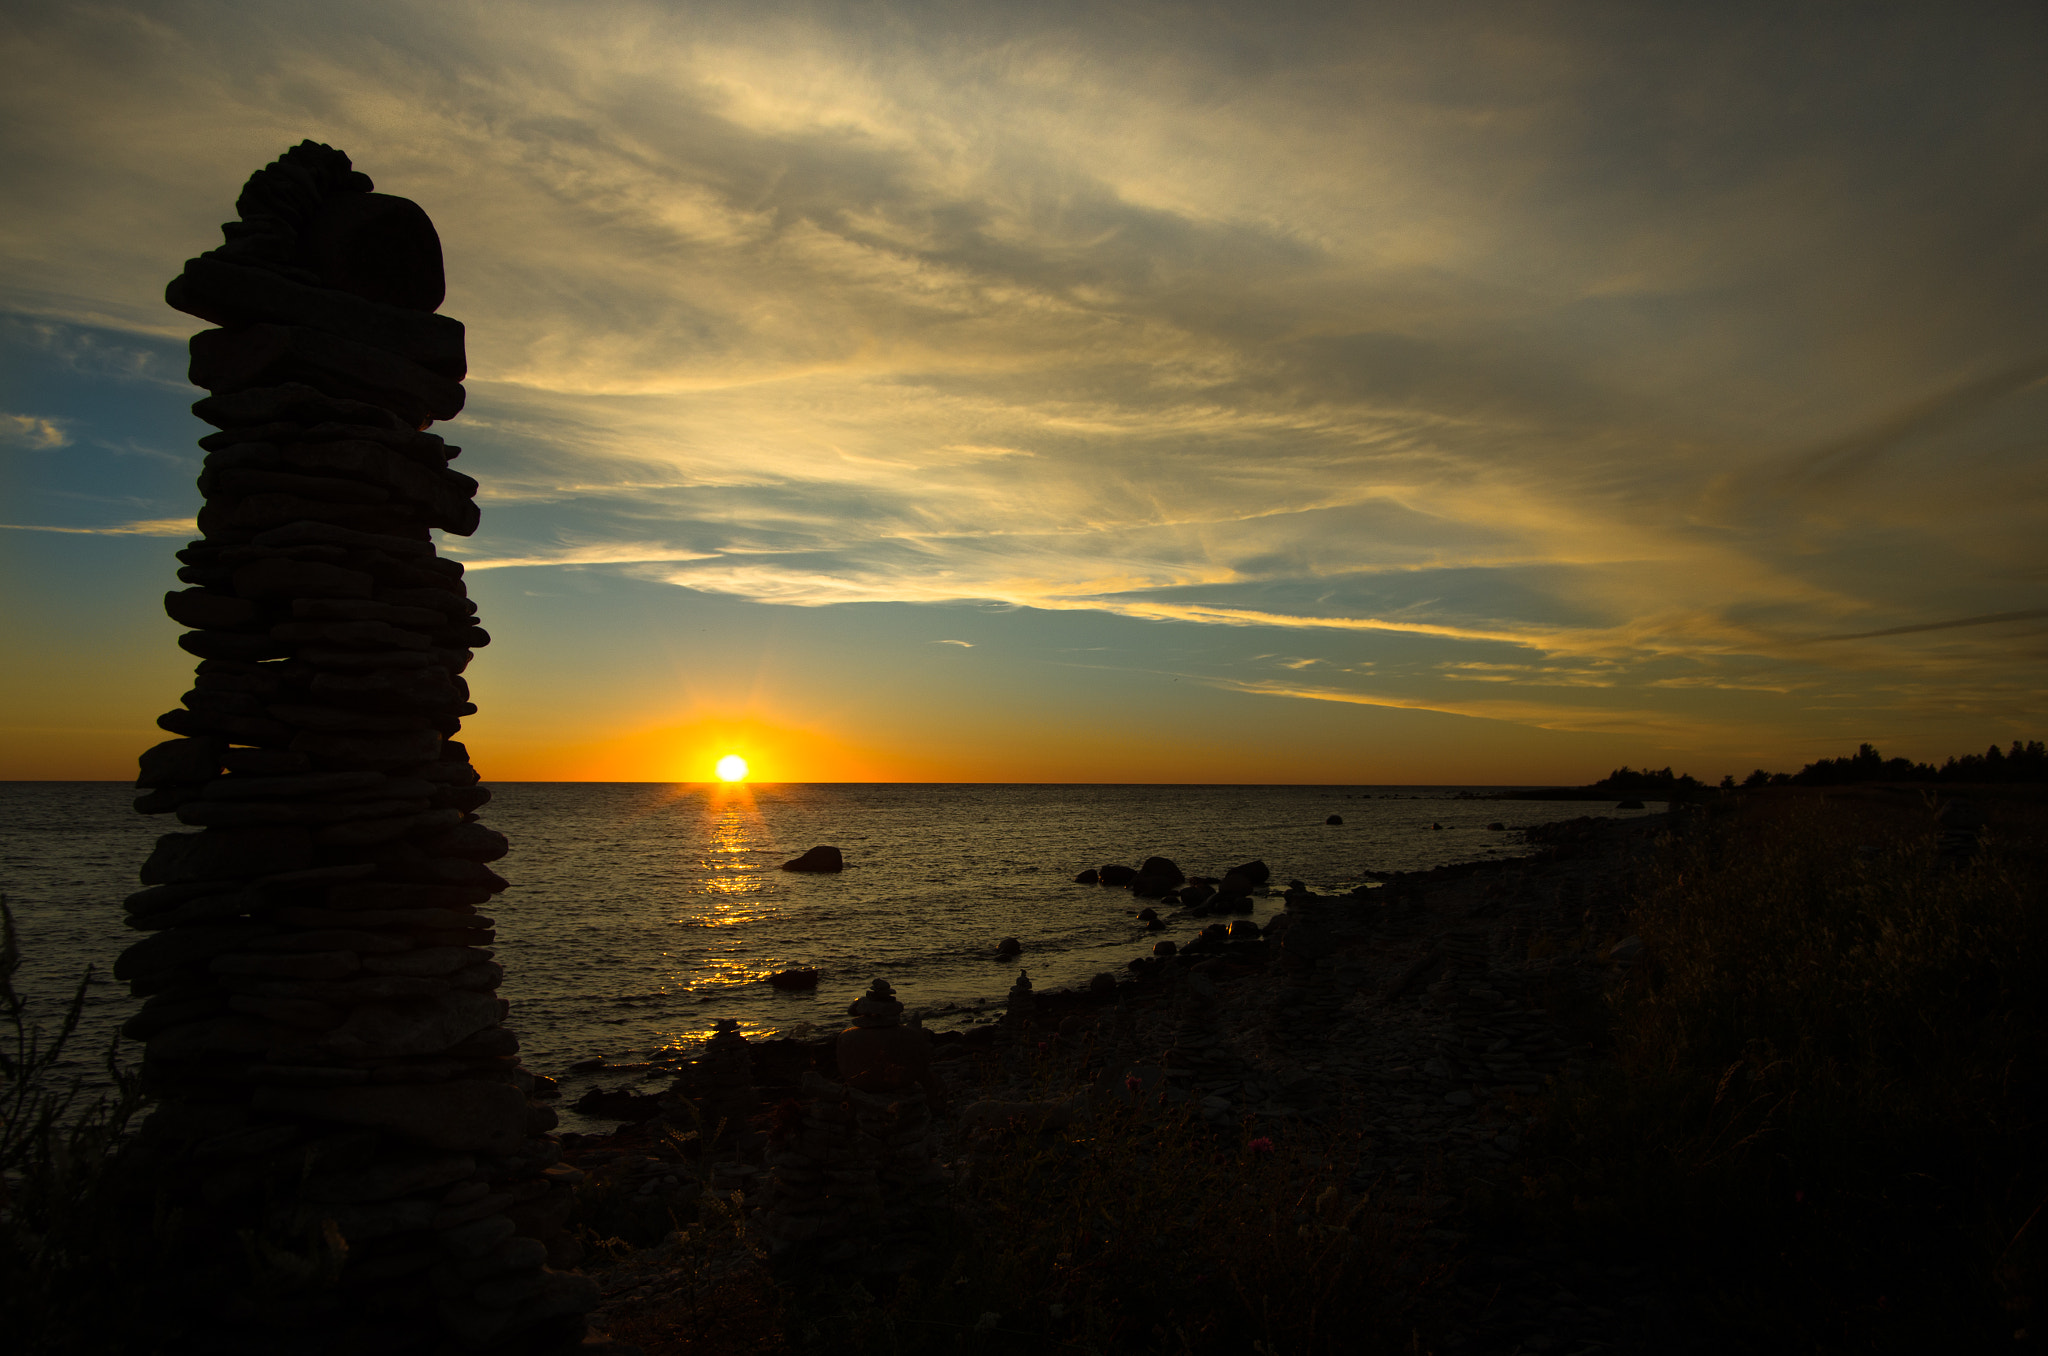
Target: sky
[(1105, 392)]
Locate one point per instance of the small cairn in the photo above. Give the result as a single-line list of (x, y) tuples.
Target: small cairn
[(1022, 1003), (719, 1083), (853, 1183), (345, 1144)]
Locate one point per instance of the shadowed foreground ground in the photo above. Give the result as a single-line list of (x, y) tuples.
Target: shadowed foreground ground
[(1764, 1076)]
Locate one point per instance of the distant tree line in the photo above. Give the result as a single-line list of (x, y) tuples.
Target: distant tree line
[(2021, 763), (1626, 782)]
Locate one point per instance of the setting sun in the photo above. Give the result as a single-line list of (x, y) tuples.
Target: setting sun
[(732, 768)]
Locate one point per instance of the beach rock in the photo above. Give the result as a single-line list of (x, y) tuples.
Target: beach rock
[(1162, 868), (1151, 887), (1496, 827), (1008, 947), (1244, 929), (180, 761), (1087, 877), (818, 859), (1115, 875), (794, 980), (618, 1104), (1164, 948), (1102, 985), (1256, 873), (1334, 819)]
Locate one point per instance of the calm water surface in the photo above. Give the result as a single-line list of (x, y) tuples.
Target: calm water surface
[(639, 913)]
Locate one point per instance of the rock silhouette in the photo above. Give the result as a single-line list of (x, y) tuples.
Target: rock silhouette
[(818, 859)]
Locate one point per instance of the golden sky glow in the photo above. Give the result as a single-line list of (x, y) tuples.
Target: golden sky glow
[(1106, 393)]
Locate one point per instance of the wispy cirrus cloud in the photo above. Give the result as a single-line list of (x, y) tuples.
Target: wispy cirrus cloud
[(152, 527)]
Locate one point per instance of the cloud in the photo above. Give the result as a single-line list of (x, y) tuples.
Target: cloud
[(963, 644), (1993, 619), (27, 430), (153, 527), (1421, 342)]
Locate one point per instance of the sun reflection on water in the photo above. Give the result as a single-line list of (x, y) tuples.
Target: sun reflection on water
[(735, 849)]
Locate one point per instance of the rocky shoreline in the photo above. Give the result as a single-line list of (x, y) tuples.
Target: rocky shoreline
[(1433, 1011)]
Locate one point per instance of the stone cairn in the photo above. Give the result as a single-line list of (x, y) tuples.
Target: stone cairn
[(1021, 1003), (344, 1142), (716, 1090), (854, 1185)]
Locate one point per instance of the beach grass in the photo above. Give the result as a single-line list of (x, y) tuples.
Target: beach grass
[(1821, 1116), (1140, 1229), (64, 1242)]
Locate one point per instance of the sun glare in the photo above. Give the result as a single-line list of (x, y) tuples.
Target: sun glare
[(732, 768)]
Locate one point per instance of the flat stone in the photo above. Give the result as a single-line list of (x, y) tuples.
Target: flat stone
[(277, 577), (218, 854), (288, 965), (444, 919), (186, 946), (432, 960), (364, 944), (232, 1039), (479, 1239), (422, 1026), (476, 1116), (293, 402), (231, 295), (252, 356), (384, 1181)]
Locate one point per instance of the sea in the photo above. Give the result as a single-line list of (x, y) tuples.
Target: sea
[(641, 913)]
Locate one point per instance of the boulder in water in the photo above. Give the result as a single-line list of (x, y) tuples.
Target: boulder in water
[(1628, 805), (820, 859), (1165, 948), (1088, 877), (1244, 929), (1258, 873), (1008, 947), (794, 979), (1334, 819), (1116, 875), (1162, 868)]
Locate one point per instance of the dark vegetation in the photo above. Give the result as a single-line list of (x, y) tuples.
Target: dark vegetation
[(64, 1244), (1823, 1109), (2023, 763), (1142, 1230)]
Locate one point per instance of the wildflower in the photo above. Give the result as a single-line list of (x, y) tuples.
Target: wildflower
[(1261, 1145)]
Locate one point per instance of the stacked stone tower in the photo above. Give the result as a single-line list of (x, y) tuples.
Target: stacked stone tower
[(344, 1150)]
